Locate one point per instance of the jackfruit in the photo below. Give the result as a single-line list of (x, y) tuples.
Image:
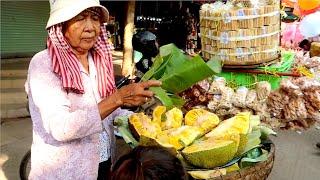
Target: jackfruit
[(180, 137), (210, 153), (157, 114), (202, 118), (148, 141), (239, 123), (173, 119), (227, 129), (207, 174), (140, 124)]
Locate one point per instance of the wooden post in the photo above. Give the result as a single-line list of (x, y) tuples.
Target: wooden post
[(127, 64)]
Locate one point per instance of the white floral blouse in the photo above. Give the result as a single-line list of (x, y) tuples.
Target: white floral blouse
[(67, 128)]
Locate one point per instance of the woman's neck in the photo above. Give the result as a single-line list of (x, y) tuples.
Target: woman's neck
[(83, 58)]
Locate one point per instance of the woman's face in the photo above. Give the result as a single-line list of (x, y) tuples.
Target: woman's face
[(82, 31)]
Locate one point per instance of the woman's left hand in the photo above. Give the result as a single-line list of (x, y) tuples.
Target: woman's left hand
[(137, 93)]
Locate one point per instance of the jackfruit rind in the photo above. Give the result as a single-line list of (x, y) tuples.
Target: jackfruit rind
[(210, 153), (173, 119), (202, 118), (157, 114), (148, 141), (242, 144), (140, 124)]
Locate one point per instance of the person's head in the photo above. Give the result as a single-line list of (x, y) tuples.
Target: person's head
[(76, 31), (305, 45), (81, 21), (148, 163)]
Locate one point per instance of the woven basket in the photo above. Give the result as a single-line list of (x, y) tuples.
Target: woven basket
[(259, 171), (245, 36)]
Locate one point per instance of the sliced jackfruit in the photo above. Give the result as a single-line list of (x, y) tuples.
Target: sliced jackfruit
[(180, 137), (239, 123), (202, 118), (210, 153), (227, 129), (148, 141), (140, 124), (157, 114), (207, 174), (173, 119)]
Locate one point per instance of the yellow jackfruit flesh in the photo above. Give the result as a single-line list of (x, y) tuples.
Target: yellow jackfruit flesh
[(207, 174), (227, 129), (157, 114), (173, 119), (210, 153), (202, 118), (140, 124), (180, 137)]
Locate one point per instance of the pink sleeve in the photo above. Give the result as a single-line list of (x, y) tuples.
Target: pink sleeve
[(52, 104)]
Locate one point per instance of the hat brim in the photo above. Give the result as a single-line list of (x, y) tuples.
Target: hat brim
[(69, 12)]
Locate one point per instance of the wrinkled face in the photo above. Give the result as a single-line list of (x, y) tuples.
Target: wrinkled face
[(82, 31)]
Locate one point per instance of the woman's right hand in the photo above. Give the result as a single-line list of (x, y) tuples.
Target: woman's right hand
[(137, 93)]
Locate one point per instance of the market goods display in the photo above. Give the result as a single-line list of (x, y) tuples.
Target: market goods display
[(296, 103), (225, 101), (242, 32), (199, 138)]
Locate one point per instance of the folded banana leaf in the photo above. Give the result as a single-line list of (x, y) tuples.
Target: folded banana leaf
[(178, 72)]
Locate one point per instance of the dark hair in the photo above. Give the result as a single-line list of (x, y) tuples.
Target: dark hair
[(149, 163), (305, 44)]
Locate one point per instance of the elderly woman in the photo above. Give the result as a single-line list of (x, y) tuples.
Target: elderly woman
[(71, 92)]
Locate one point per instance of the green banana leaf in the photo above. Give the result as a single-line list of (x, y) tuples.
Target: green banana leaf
[(123, 127), (254, 156), (178, 72)]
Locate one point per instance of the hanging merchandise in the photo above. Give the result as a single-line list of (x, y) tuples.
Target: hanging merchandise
[(310, 25)]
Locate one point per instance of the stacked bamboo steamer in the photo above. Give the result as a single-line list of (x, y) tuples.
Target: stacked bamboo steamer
[(241, 33)]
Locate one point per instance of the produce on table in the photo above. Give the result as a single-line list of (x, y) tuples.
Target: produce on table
[(200, 139)]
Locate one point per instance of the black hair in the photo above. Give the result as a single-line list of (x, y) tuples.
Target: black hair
[(149, 163), (305, 44)]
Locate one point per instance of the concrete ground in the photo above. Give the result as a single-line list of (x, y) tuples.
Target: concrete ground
[(296, 157)]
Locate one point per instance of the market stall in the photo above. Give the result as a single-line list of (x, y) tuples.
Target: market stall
[(215, 110)]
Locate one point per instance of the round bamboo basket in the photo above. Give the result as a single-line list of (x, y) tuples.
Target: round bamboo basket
[(241, 36), (259, 171)]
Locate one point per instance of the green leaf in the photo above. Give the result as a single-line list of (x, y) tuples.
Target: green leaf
[(253, 140), (215, 65), (177, 101), (158, 61), (123, 127), (162, 95), (265, 132), (181, 73), (257, 155)]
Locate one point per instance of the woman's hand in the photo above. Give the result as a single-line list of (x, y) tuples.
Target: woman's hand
[(130, 95), (137, 93)]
